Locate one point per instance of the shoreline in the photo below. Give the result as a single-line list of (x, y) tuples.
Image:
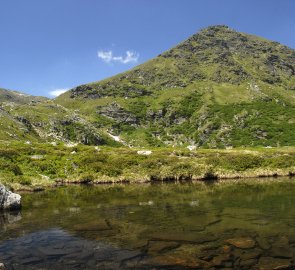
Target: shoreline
[(127, 183)]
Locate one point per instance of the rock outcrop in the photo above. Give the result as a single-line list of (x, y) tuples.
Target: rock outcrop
[(8, 199)]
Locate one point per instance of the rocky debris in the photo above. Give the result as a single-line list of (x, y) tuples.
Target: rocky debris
[(243, 242), (8, 199), (2, 266), (144, 152)]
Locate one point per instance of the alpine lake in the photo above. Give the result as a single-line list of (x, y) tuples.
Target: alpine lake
[(230, 224)]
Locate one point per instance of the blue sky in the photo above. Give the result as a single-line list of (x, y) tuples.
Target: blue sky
[(52, 45)]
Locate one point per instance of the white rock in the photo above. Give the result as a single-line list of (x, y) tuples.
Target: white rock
[(144, 152), (71, 145), (191, 147), (45, 177), (37, 157), (8, 199)]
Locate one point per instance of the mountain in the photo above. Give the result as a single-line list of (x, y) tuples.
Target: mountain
[(219, 88), (18, 97), (39, 119)]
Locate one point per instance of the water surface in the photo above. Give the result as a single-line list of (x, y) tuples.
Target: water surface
[(245, 224)]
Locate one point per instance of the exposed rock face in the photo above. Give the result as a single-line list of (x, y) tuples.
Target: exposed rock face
[(116, 112), (8, 199)]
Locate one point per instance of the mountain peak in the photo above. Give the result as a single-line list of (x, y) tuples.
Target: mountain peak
[(216, 27), (215, 30)]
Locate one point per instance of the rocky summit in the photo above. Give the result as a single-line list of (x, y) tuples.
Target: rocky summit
[(219, 88)]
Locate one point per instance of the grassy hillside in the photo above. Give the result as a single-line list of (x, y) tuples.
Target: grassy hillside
[(37, 119), (220, 88)]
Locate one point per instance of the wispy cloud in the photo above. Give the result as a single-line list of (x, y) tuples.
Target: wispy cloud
[(57, 92), (108, 57)]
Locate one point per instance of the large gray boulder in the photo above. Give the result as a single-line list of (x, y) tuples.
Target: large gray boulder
[(8, 199)]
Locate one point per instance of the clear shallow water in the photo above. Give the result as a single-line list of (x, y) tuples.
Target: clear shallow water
[(170, 226)]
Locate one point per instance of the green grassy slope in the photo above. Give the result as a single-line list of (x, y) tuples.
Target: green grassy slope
[(219, 88), (37, 119)]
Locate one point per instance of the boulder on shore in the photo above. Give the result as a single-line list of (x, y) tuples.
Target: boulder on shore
[(8, 199)]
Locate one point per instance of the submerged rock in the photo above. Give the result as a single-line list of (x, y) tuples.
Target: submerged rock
[(8, 199), (171, 261), (242, 242), (155, 247), (267, 263)]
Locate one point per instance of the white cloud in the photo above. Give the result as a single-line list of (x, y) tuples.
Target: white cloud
[(108, 57), (57, 92)]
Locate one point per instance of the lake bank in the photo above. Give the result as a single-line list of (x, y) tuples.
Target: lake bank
[(39, 166)]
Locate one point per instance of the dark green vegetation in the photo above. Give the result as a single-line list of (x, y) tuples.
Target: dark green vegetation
[(37, 166), (231, 225)]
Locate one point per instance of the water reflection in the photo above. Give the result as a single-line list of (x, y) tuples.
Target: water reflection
[(237, 226), (9, 217)]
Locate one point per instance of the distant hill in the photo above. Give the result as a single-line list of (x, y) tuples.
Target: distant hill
[(18, 97), (219, 88), (39, 119)]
